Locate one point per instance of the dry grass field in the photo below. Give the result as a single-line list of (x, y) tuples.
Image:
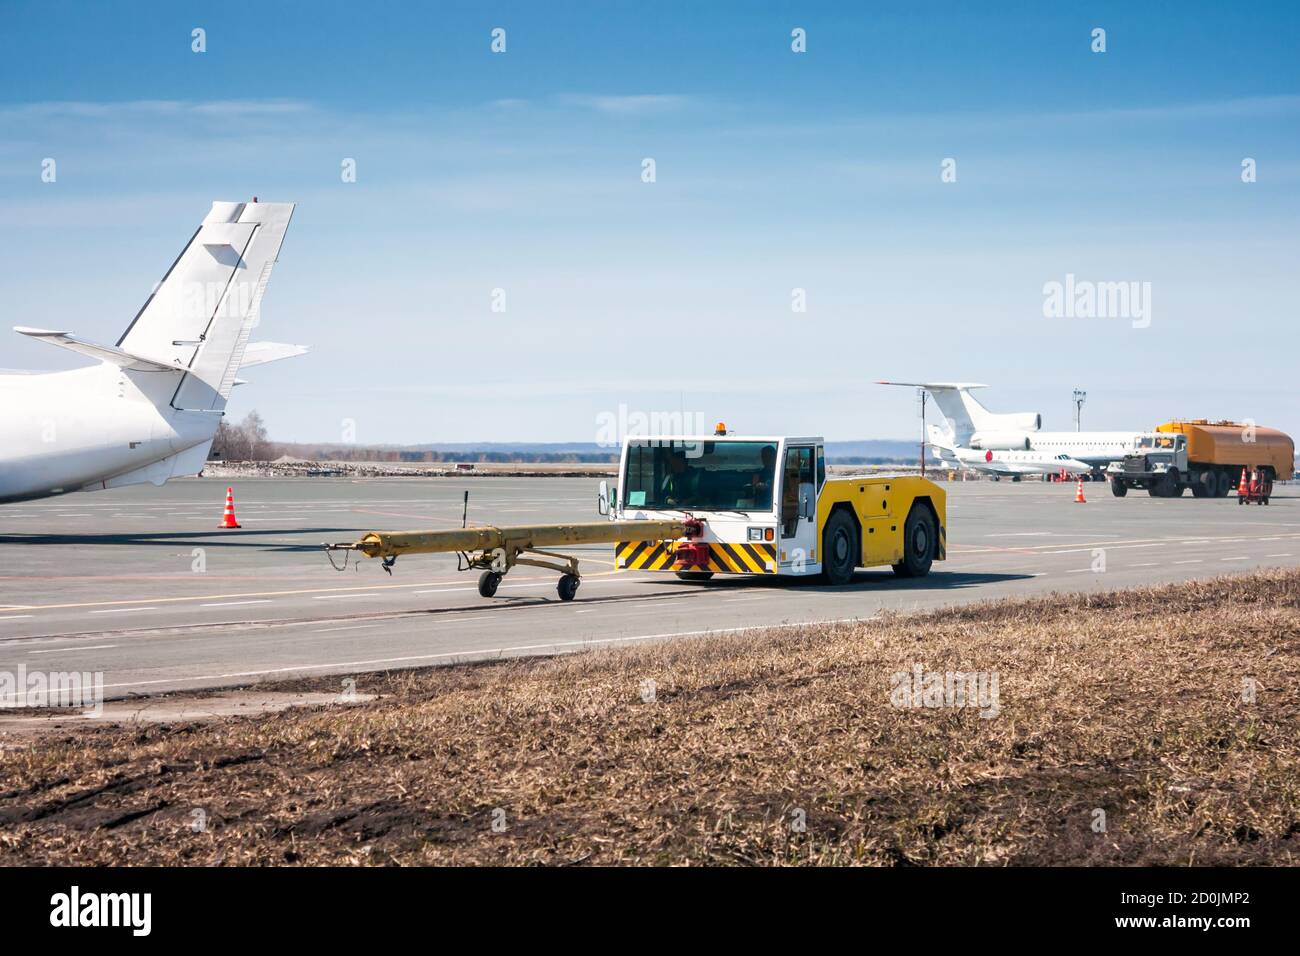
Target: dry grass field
[(771, 748)]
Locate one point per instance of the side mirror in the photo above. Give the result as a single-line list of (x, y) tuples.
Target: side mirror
[(602, 498)]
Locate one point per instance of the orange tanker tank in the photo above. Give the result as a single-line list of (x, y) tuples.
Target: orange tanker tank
[(1236, 445)]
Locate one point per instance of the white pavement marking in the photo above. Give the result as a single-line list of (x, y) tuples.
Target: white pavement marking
[(235, 603), (1194, 561), (124, 610), (1239, 557), (1111, 547), (15, 617), (60, 650), (354, 627)]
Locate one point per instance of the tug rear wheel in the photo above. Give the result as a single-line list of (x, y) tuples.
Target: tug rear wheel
[(919, 539), (487, 583)]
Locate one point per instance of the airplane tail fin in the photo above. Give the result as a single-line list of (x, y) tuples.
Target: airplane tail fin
[(940, 439), (966, 415), (199, 317)]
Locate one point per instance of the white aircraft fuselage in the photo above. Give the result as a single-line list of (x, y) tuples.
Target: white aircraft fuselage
[(148, 409), (1010, 462), (63, 431)]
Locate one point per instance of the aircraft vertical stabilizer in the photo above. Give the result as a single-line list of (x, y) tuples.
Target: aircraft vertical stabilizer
[(201, 314)]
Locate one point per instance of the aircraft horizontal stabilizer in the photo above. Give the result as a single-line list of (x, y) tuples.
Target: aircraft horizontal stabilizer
[(259, 353), (105, 353), (936, 385)]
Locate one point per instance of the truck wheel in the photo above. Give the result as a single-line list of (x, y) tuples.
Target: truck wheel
[(919, 536), (1118, 488), (695, 575), (567, 586), (1223, 484), (1205, 484), (840, 549), (487, 583)]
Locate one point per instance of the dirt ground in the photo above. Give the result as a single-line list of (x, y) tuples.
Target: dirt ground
[(1147, 726)]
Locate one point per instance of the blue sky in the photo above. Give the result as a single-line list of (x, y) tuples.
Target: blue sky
[(774, 171)]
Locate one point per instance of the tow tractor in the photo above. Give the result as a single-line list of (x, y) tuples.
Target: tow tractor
[(700, 505), (768, 506)]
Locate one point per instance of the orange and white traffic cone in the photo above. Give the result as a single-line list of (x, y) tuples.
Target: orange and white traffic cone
[(1078, 494), (1242, 488), (228, 519)]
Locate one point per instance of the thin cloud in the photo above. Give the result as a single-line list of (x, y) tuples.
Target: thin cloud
[(636, 105), (81, 109)]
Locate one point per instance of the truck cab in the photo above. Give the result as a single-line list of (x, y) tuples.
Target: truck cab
[(1158, 463), (768, 506)]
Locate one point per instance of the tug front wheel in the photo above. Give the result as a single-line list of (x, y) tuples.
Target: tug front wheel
[(567, 587), (487, 583), (840, 549)]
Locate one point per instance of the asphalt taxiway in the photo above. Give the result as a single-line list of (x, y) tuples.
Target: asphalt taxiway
[(138, 583)]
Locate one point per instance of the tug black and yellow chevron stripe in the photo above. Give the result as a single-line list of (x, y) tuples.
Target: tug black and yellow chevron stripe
[(756, 558)]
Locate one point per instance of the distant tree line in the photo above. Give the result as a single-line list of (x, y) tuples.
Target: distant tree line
[(243, 442), (365, 453), (886, 460), (248, 441)]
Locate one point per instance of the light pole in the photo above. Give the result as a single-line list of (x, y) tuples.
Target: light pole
[(1079, 398)]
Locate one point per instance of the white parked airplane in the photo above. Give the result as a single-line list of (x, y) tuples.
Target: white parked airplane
[(148, 409), (1011, 443), (1011, 464)]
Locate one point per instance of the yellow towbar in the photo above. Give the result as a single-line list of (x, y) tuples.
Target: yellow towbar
[(495, 550)]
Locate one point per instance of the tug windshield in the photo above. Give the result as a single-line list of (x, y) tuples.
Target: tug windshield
[(700, 475)]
